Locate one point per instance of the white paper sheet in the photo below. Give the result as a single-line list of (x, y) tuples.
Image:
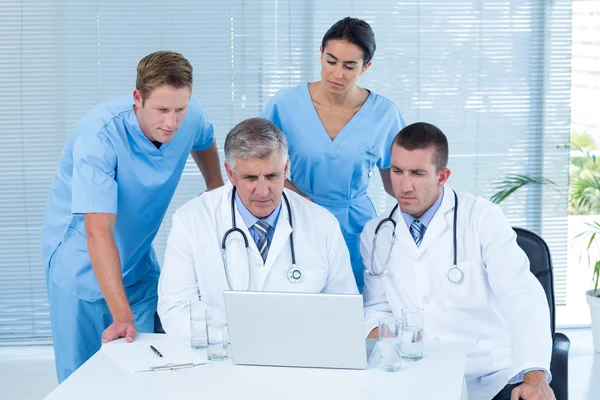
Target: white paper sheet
[(138, 357)]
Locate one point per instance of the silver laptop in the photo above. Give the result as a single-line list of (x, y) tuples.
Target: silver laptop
[(297, 329)]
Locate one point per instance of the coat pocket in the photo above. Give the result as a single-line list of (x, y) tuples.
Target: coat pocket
[(463, 286)]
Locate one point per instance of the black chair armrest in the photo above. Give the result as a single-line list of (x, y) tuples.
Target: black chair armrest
[(157, 324), (559, 366)]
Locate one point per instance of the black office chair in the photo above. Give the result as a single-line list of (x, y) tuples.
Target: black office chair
[(541, 266)]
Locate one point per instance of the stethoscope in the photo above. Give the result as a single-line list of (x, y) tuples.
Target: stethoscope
[(455, 274), (294, 275)]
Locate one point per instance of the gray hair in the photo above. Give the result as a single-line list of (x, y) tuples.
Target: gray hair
[(254, 138)]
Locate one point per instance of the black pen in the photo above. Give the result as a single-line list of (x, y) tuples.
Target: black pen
[(156, 351)]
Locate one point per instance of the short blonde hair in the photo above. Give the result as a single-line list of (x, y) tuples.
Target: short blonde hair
[(163, 68)]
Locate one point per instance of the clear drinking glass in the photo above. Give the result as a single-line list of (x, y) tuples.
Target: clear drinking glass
[(198, 323), (217, 334), (389, 331), (412, 333)]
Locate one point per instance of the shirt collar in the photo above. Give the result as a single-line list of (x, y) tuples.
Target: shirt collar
[(250, 219), (427, 216)]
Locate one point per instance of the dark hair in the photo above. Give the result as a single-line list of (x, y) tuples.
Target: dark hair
[(355, 31), (421, 135)]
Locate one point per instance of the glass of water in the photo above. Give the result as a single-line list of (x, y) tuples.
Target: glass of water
[(412, 333), (217, 334), (389, 332), (198, 323)]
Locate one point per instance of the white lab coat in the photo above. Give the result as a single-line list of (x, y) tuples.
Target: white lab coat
[(499, 311), (194, 265)]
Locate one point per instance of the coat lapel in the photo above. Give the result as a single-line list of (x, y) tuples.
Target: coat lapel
[(280, 237), (403, 235), (239, 260), (439, 222)]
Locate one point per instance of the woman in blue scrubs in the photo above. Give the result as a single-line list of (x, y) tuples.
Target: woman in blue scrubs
[(338, 132)]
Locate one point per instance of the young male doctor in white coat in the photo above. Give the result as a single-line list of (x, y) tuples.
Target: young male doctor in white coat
[(490, 302), (256, 157)]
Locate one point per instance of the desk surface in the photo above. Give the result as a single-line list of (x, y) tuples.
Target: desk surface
[(438, 375)]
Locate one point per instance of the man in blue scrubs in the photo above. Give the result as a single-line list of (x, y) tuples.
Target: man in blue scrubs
[(116, 176)]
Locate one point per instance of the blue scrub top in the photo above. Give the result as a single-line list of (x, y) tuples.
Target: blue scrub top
[(109, 166), (335, 173)]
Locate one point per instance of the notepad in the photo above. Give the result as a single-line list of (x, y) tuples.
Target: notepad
[(137, 356)]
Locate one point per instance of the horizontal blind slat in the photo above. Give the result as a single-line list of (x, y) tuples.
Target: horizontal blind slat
[(494, 75)]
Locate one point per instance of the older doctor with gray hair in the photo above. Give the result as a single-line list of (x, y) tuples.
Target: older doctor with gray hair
[(247, 234)]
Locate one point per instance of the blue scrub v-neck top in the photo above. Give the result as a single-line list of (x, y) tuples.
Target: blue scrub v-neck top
[(335, 173), (109, 166)]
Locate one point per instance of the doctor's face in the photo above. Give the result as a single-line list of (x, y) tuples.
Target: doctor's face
[(341, 64), (162, 113), (416, 181), (259, 182)]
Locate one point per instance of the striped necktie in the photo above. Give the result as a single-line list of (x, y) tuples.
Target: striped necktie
[(261, 228), (416, 230)]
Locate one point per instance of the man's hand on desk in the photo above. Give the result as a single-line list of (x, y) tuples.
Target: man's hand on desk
[(534, 387), (117, 330)]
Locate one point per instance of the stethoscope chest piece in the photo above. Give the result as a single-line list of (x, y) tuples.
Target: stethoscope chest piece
[(294, 275), (455, 275)]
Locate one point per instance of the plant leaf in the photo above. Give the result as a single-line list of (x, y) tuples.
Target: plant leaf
[(513, 182)]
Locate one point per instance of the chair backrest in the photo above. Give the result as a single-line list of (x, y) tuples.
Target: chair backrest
[(540, 264)]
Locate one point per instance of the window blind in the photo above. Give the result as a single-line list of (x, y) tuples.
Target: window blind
[(493, 75)]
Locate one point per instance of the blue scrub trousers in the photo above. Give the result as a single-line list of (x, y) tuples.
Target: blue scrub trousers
[(356, 261), (77, 325)]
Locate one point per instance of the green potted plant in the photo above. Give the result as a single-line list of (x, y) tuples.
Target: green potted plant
[(583, 199)]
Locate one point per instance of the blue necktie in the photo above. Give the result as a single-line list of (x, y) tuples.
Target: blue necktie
[(416, 230), (261, 228)]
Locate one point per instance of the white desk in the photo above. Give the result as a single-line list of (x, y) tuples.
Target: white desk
[(439, 375)]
